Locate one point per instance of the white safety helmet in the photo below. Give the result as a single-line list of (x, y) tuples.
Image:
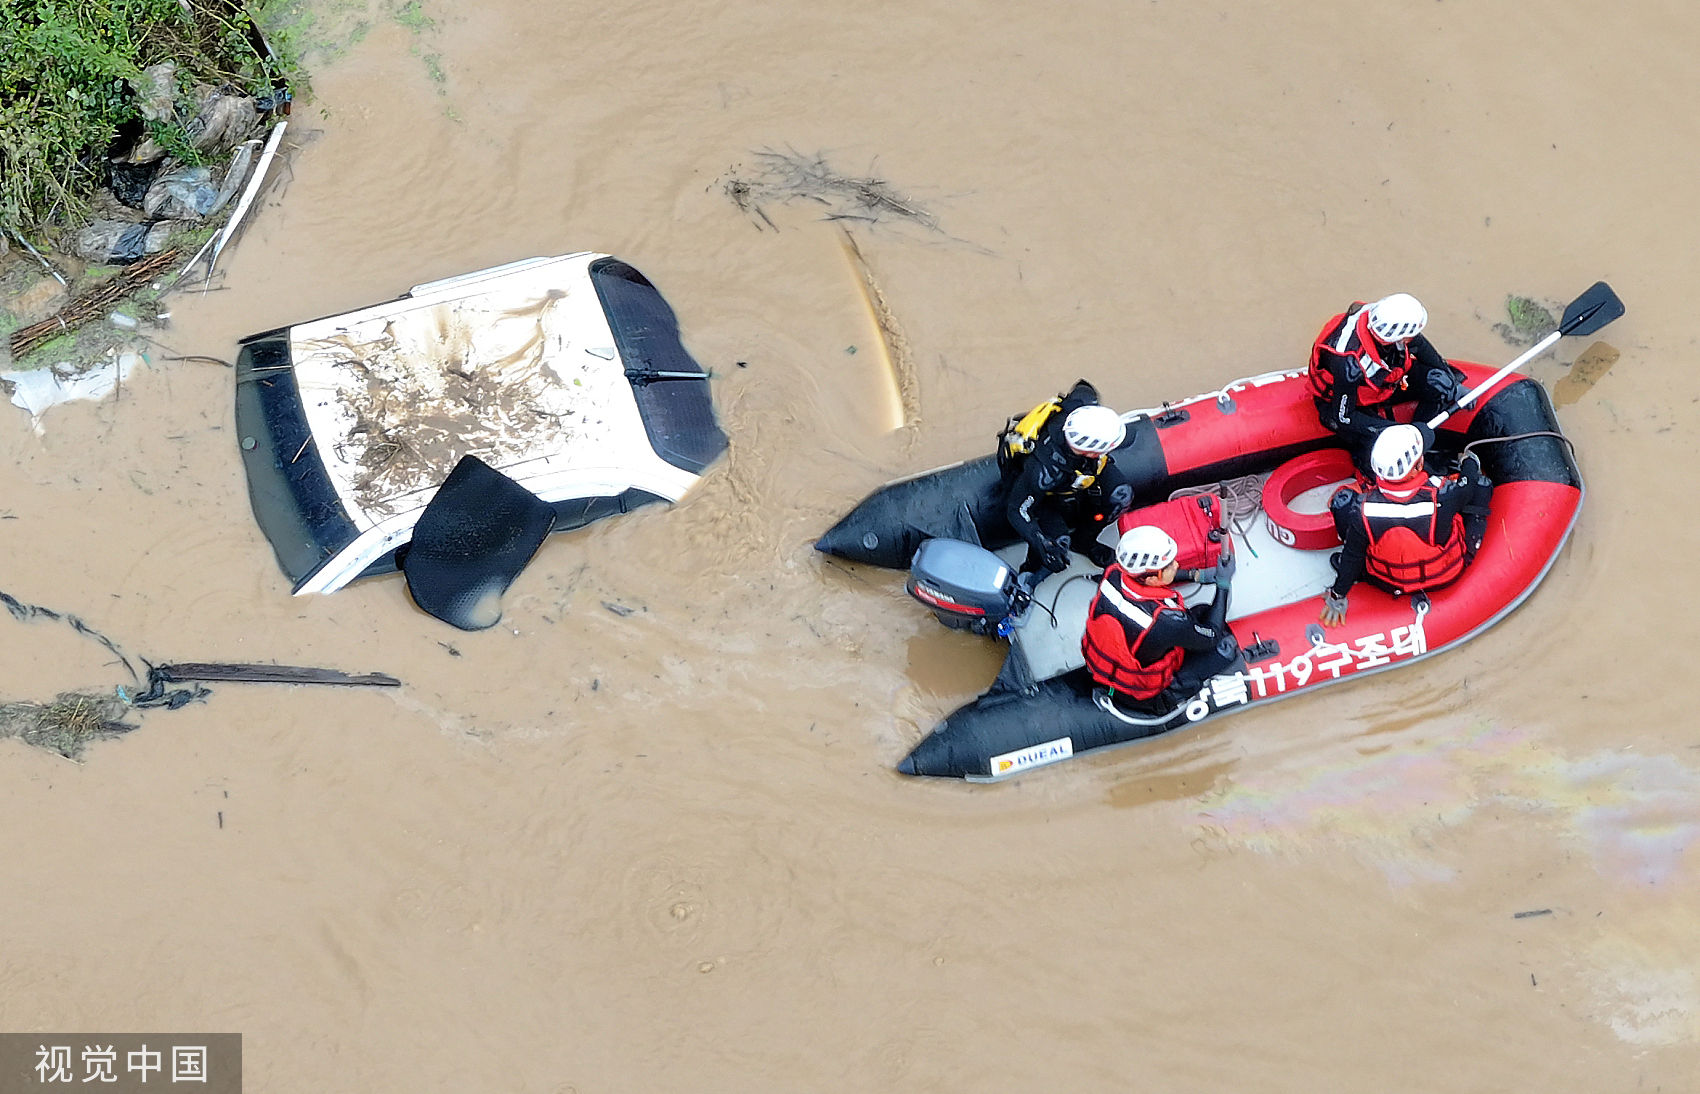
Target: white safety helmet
[(1145, 549), (1398, 316), (1094, 430), (1396, 451)]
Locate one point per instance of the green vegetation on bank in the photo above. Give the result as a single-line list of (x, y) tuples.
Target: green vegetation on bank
[(72, 86)]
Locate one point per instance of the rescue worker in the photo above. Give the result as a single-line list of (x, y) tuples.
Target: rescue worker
[(1141, 640), (1064, 488), (1371, 358), (1410, 530)]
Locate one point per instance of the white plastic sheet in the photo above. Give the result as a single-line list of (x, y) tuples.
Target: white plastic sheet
[(38, 389)]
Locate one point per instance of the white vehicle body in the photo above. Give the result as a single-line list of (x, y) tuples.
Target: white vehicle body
[(526, 366)]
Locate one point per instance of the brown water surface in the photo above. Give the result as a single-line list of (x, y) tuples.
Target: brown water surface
[(662, 847)]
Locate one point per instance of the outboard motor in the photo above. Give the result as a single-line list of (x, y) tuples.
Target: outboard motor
[(966, 586)]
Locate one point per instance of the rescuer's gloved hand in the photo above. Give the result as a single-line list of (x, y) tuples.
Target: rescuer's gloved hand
[(1225, 565), (1055, 556), (1333, 609)]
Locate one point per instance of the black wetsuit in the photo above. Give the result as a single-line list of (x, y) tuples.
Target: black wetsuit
[(1044, 505)]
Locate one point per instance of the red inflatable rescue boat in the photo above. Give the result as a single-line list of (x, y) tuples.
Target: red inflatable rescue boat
[(1256, 453), (1256, 456)]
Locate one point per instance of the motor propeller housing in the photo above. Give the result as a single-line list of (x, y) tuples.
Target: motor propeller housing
[(967, 587)]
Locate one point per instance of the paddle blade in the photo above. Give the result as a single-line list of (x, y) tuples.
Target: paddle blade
[(1591, 311)]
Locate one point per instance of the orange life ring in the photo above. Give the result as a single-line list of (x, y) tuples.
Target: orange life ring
[(1306, 531)]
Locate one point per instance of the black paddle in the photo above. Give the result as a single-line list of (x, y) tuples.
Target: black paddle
[(1585, 315)]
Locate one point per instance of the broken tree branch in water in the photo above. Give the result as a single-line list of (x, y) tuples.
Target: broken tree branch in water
[(209, 672), (199, 357), (75, 718)]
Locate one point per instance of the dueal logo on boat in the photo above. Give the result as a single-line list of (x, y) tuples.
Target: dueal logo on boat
[(1049, 752)]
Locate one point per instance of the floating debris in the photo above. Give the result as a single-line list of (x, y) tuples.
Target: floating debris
[(35, 390), (73, 719), (267, 674), (781, 178), (67, 724), (1528, 321)]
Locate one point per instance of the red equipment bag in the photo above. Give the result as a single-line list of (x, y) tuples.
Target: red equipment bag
[(1195, 522)]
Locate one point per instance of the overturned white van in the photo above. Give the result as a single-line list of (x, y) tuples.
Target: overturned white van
[(564, 376)]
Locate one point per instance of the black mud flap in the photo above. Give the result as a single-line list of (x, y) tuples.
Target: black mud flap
[(474, 538)]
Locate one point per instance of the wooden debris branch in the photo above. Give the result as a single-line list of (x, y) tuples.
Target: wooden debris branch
[(74, 719), (268, 674), (91, 305)]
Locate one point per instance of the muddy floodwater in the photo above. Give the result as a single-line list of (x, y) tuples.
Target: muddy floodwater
[(645, 835)]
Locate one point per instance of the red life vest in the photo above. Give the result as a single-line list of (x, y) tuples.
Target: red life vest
[(1346, 338), (1408, 549), (1122, 607)]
